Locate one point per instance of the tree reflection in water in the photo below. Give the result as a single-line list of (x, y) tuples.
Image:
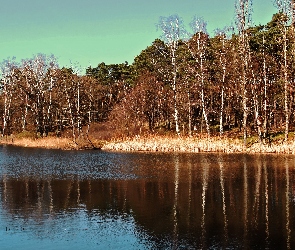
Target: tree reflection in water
[(288, 229), (220, 161), (171, 201)]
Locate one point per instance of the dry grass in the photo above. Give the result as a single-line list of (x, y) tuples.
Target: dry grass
[(52, 142), (279, 148), (47, 142), (175, 144), (156, 143), (193, 144)]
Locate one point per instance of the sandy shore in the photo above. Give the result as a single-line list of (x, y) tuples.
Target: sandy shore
[(156, 144)]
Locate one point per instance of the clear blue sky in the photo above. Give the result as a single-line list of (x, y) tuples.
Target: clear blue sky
[(110, 31)]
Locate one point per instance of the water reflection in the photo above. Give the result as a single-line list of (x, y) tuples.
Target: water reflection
[(246, 198), (205, 171), (175, 205), (138, 201), (288, 229), (266, 205), (223, 198)]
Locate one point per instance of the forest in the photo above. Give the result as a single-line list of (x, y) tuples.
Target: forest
[(186, 83)]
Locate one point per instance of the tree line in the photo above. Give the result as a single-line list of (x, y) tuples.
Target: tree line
[(242, 77)]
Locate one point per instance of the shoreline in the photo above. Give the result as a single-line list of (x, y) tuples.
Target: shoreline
[(155, 144), (47, 143), (197, 145)]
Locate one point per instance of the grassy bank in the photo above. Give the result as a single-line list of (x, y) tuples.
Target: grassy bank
[(193, 144), (51, 142), (156, 144), (48, 142)]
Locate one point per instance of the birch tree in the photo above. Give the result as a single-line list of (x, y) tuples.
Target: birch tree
[(243, 18), (173, 31), (265, 84), (189, 88), (197, 47), (38, 73), (285, 8), (8, 68), (222, 36)]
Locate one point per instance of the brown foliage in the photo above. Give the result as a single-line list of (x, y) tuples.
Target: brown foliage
[(147, 107)]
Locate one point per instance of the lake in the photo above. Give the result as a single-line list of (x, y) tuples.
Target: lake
[(52, 199)]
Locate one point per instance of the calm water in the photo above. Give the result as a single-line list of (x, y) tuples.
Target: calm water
[(52, 199)]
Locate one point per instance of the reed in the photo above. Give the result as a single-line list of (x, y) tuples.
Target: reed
[(156, 143), (46, 142), (193, 144)]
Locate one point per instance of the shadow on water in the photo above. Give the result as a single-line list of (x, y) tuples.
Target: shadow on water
[(96, 199)]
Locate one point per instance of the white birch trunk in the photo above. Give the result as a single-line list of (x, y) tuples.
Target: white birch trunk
[(189, 114), (49, 116), (24, 116), (265, 93), (243, 16), (286, 97), (174, 87), (71, 113), (5, 114), (202, 84), (222, 62)]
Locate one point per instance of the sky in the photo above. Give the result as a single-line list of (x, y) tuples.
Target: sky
[(88, 32)]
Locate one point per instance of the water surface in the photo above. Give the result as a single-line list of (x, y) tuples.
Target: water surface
[(54, 199)]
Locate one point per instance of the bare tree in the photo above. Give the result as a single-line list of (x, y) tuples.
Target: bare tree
[(173, 31), (286, 8), (186, 73), (243, 18), (197, 47), (39, 75), (222, 35), (77, 70), (8, 68), (265, 83)]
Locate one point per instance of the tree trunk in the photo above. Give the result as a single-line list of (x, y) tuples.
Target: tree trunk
[(222, 103), (174, 87), (202, 85), (286, 97), (189, 114), (244, 18), (265, 118)]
